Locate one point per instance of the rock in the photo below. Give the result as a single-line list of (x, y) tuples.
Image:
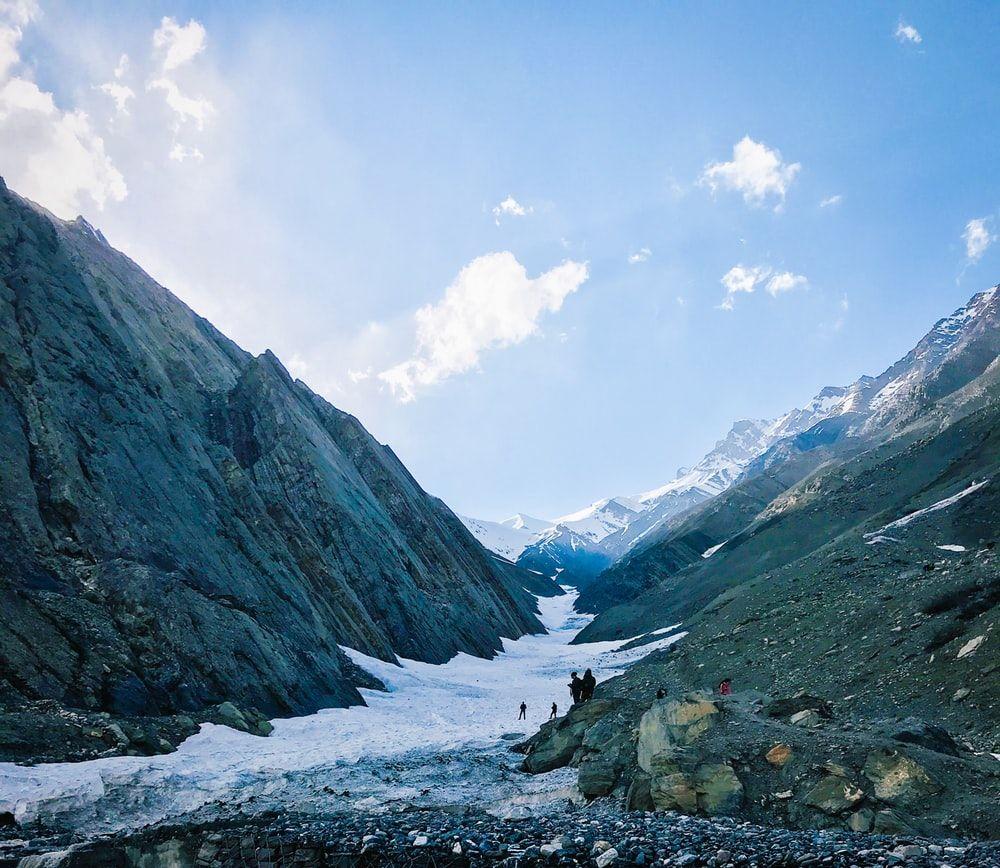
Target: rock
[(597, 776), (600, 847), (674, 792), (639, 797), (229, 715), (908, 851), (861, 821), (719, 790), (606, 858), (834, 795), (960, 694), (888, 822), (970, 647), (421, 841), (914, 731), (779, 755), (808, 718), (898, 779), (556, 743), (671, 723), (800, 702)]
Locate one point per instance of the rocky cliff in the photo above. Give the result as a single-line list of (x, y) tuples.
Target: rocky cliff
[(182, 523)]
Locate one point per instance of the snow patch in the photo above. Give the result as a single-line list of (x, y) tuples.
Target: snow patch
[(934, 507), (950, 547), (709, 552)]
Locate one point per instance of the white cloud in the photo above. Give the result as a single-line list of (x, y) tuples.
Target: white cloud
[(785, 281), (744, 278), (756, 171), (492, 303), (640, 255), (908, 33), (178, 44), (120, 93), (831, 200), (195, 108), (510, 207), (122, 66), (977, 237), (180, 153), (52, 156)]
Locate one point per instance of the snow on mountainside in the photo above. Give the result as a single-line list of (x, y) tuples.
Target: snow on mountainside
[(507, 538), (868, 404)]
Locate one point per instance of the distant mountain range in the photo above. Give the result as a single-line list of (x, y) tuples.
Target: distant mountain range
[(583, 543)]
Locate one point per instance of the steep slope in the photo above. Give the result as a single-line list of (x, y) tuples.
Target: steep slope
[(951, 358), (182, 523)]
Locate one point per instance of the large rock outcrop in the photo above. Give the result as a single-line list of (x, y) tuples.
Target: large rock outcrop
[(182, 523)]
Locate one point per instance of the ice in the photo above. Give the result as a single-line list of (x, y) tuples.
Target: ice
[(709, 552), (433, 737), (951, 547)]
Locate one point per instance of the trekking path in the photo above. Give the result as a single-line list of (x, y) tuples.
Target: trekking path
[(434, 738)]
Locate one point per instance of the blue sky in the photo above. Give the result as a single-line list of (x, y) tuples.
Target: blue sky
[(321, 179)]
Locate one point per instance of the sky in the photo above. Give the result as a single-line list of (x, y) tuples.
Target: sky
[(548, 252)]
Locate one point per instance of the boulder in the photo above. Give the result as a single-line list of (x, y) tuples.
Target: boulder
[(834, 795), (673, 723), (861, 821), (914, 731), (802, 701), (898, 779), (598, 776), (557, 742), (719, 790), (808, 718), (673, 792), (639, 797), (779, 755)]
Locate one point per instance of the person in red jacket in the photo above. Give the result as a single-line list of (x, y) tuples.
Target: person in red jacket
[(726, 687)]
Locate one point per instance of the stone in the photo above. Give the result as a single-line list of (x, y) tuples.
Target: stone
[(834, 795), (914, 731), (960, 694), (970, 647), (779, 755), (861, 821), (606, 858), (898, 779), (600, 847), (421, 841), (638, 797), (800, 702), (671, 723), (673, 792), (719, 790), (909, 851), (808, 718)]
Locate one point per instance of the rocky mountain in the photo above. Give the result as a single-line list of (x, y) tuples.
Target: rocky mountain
[(183, 523), (848, 583)]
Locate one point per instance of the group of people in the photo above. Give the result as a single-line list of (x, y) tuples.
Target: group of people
[(581, 689)]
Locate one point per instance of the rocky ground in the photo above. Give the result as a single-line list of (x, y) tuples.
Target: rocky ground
[(598, 834)]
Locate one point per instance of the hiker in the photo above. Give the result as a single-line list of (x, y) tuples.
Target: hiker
[(575, 688), (524, 709), (555, 711), (726, 687), (661, 693), (589, 683)]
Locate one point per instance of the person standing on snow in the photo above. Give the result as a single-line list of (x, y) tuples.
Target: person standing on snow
[(589, 683), (554, 712), (524, 709)]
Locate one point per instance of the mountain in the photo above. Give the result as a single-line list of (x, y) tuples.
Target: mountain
[(507, 538), (565, 555), (848, 582), (946, 375), (183, 523)]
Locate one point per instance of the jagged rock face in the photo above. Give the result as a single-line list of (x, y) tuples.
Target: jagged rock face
[(183, 524)]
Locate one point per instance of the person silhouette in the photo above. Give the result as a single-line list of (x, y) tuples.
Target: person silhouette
[(554, 712), (524, 709)]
